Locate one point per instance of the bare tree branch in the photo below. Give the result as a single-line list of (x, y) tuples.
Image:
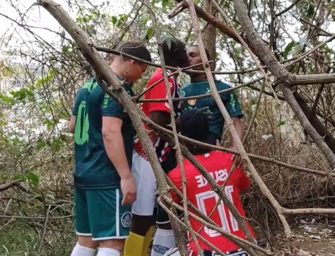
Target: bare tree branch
[(283, 76)]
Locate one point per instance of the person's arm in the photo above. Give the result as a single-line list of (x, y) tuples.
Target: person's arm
[(175, 178), (238, 124), (114, 146), (234, 109), (72, 124)]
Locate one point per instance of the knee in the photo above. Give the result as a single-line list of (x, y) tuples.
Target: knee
[(87, 241), (141, 224), (116, 244)]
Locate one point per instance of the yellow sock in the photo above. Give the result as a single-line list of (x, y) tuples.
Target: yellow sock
[(147, 241), (133, 245)]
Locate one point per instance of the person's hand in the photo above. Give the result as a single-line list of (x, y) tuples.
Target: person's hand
[(128, 188)]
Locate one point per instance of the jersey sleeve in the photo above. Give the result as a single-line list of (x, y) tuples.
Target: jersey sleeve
[(233, 106), (111, 107), (230, 100), (157, 92), (175, 177)]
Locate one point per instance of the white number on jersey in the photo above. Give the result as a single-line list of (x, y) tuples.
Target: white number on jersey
[(207, 210)]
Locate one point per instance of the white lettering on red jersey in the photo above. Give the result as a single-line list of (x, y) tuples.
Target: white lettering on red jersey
[(201, 194)]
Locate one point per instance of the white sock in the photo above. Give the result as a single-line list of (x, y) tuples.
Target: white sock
[(102, 251), (79, 250), (163, 241)]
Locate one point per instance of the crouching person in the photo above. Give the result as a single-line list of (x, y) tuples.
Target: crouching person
[(201, 194)]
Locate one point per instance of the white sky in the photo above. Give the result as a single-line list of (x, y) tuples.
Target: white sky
[(39, 17)]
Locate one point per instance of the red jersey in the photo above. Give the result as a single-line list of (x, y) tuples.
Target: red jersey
[(200, 193), (164, 151), (158, 92)]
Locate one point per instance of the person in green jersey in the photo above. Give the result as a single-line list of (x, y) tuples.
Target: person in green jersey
[(198, 86), (104, 138)]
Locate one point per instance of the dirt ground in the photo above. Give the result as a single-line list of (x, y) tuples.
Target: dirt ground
[(310, 239)]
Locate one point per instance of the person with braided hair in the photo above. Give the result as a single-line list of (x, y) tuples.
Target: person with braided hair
[(200, 193), (139, 240)]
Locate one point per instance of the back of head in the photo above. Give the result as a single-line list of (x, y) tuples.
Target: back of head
[(194, 124), (174, 51), (136, 49)]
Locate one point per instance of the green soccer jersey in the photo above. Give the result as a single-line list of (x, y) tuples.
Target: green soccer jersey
[(96, 171), (82, 125), (208, 104)]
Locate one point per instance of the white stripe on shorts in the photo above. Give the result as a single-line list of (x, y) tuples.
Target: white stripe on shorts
[(83, 234), (117, 213)]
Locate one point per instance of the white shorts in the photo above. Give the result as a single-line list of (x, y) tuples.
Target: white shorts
[(146, 186)]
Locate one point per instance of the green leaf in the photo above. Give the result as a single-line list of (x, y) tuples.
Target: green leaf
[(297, 50), (45, 79), (49, 123), (57, 144), (281, 123), (288, 49), (6, 100), (149, 34), (165, 3), (40, 144), (32, 179), (310, 11), (23, 94), (66, 48), (122, 19), (114, 20)]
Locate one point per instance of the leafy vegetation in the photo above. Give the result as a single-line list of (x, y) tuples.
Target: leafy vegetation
[(36, 149)]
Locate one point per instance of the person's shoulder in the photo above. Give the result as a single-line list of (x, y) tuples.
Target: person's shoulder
[(174, 173), (222, 85), (97, 94), (188, 86), (223, 156), (97, 90), (184, 87), (158, 74)]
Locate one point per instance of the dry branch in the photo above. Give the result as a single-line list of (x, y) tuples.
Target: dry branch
[(284, 78), (212, 20)]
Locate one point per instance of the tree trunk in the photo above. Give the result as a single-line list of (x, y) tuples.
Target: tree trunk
[(315, 121), (209, 34)]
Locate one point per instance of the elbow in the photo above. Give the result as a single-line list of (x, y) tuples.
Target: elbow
[(72, 124), (106, 134), (71, 129)]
